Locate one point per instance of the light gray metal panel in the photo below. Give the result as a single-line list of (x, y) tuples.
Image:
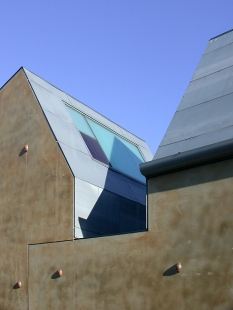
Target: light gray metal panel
[(146, 153), (133, 138), (106, 122), (80, 233), (93, 172), (66, 133), (80, 106), (86, 196), (55, 105), (195, 142), (50, 102), (217, 60), (83, 167), (219, 42), (208, 88), (93, 114), (200, 119), (46, 85)]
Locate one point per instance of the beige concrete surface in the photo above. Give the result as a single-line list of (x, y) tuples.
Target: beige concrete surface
[(190, 221), (36, 192)]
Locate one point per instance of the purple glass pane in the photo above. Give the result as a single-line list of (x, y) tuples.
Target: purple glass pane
[(95, 149)]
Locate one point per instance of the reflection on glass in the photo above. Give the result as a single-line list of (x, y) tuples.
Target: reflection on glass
[(95, 149), (80, 122), (122, 155), (108, 147)]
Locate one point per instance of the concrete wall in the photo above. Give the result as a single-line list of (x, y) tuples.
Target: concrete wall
[(190, 221), (36, 191)]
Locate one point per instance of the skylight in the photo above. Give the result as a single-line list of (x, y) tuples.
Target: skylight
[(108, 147)]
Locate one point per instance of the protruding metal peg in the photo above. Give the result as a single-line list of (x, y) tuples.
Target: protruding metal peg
[(59, 272), (178, 267), (26, 147), (19, 284)]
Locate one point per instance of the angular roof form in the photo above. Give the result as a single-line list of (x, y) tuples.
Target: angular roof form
[(204, 117), (102, 155), (205, 113)]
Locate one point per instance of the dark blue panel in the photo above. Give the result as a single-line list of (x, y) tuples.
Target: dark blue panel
[(113, 214), (95, 148)]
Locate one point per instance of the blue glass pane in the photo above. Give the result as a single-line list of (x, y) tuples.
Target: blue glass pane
[(95, 148), (123, 156), (80, 122)]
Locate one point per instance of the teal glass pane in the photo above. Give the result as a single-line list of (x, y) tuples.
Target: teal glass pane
[(123, 155), (80, 122)]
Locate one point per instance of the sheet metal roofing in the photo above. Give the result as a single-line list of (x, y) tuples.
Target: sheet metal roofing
[(53, 103), (97, 184), (205, 113)]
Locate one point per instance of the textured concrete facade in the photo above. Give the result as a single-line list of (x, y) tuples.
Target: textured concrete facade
[(36, 192), (190, 221)]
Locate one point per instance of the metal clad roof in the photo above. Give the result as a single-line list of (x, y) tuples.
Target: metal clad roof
[(208, 88), (106, 122), (66, 133), (219, 59), (219, 41), (146, 153), (200, 119), (57, 92), (195, 142), (93, 114), (205, 113), (52, 101)]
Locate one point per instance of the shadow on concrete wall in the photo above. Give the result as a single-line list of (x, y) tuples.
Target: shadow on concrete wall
[(171, 271)]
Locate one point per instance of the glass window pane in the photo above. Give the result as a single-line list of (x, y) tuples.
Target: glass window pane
[(95, 148), (123, 156), (108, 147), (80, 122)]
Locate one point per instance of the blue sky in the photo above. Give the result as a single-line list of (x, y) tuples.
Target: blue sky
[(131, 60)]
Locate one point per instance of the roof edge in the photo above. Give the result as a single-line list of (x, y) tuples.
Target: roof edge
[(80, 102), (220, 35), (21, 68), (180, 161)]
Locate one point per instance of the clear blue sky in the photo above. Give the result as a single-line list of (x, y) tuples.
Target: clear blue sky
[(130, 60)]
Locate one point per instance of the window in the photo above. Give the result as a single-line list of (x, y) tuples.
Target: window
[(108, 147)]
